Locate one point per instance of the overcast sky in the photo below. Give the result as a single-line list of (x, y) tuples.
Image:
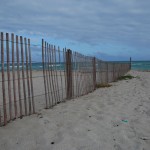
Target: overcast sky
[(109, 29)]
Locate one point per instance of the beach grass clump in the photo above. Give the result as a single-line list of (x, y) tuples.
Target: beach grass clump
[(126, 77), (137, 77), (103, 85)]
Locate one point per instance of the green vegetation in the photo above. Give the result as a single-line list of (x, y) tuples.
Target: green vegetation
[(126, 77), (137, 77), (103, 85)]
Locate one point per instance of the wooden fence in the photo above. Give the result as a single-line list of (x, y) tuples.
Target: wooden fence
[(64, 75)]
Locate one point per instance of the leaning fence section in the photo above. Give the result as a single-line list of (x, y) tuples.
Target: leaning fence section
[(28, 85), (82, 75), (54, 74), (66, 74)]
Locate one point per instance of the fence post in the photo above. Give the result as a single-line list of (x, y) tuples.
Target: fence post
[(94, 73), (44, 74), (3, 79), (130, 62), (69, 73), (113, 72), (107, 72)]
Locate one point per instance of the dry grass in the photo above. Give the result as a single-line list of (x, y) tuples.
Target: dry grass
[(126, 77), (103, 85)]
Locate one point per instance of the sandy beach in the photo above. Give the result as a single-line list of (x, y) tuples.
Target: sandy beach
[(114, 118)]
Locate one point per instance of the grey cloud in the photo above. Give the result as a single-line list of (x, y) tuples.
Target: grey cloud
[(124, 22)]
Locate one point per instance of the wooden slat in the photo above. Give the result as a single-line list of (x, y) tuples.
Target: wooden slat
[(31, 81), (3, 79), (79, 73), (18, 75), (23, 74), (69, 74), (52, 77), (56, 70), (94, 73), (14, 78), (64, 58), (76, 73), (72, 70), (60, 69), (0, 118), (27, 75), (44, 74), (8, 76), (47, 74)]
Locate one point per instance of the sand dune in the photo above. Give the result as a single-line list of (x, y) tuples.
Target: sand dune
[(114, 118)]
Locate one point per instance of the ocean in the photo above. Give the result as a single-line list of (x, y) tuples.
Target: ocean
[(140, 65), (136, 65), (35, 66)]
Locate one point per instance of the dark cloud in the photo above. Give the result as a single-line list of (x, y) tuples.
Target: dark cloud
[(92, 22)]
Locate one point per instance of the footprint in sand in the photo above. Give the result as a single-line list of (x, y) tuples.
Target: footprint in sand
[(45, 120), (99, 118), (117, 147), (110, 103), (115, 123), (39, 115)]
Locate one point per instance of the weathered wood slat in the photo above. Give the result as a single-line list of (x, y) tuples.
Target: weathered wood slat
[(14, 78), (23, 75), (3, 79), (8, 76)]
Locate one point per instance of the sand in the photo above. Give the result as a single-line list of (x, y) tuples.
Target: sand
[(114, 118)]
